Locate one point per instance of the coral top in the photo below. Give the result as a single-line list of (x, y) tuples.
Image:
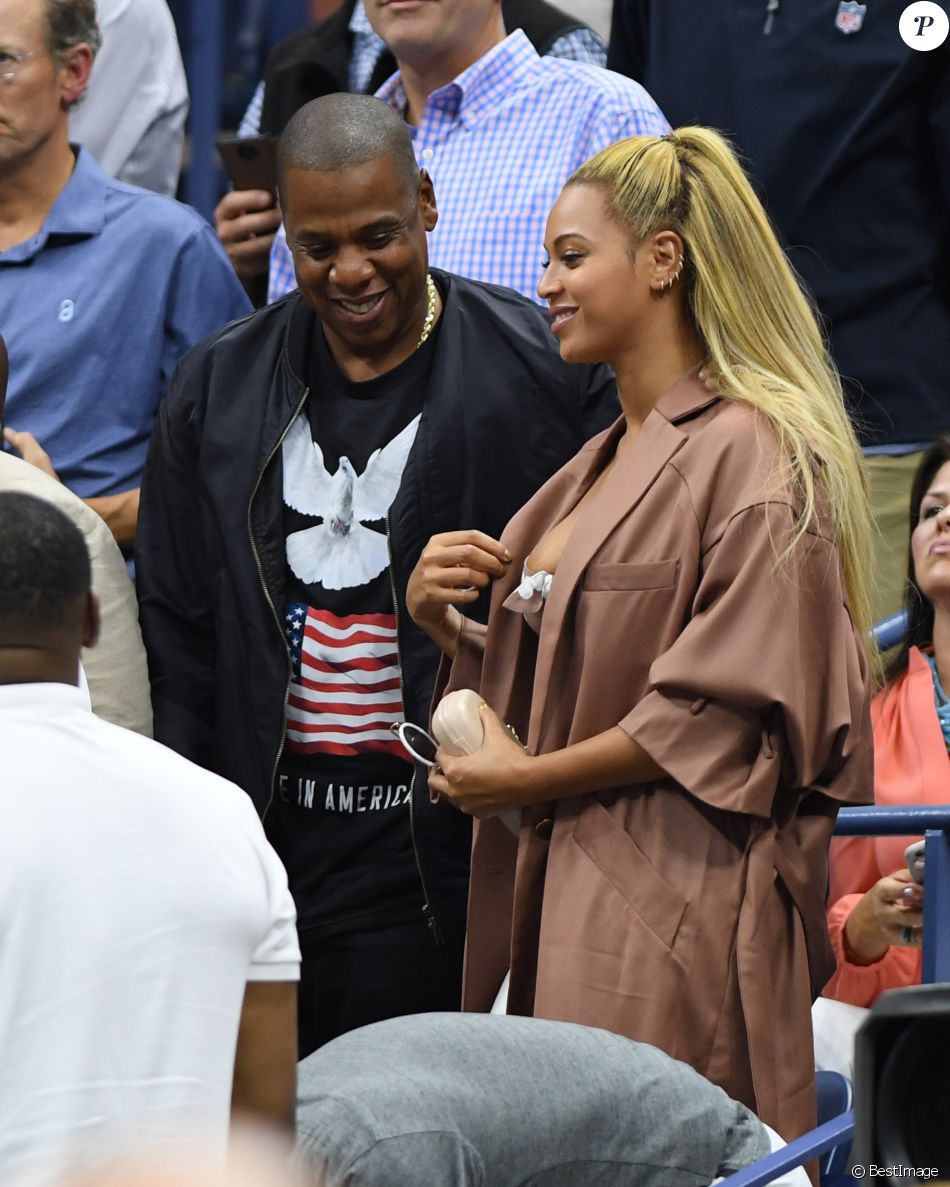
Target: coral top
[(911, 766)]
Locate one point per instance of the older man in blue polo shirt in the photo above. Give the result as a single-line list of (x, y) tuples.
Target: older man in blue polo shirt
[(102, 286)]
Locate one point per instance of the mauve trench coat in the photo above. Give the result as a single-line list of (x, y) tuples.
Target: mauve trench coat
[(688, 913)]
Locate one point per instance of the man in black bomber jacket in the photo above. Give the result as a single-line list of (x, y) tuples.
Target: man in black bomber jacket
[(300, 462)]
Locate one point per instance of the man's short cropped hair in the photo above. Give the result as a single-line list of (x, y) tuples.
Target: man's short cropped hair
[(44, 567), (69, 23), (341, 130)]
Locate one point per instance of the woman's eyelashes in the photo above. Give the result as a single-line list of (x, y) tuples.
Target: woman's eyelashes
[(569, 258), (932, 510)]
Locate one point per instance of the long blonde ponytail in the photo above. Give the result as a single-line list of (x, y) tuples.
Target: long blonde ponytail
[(759, 330)]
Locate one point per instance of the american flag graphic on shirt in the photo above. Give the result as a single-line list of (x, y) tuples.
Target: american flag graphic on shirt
[(345, 690)]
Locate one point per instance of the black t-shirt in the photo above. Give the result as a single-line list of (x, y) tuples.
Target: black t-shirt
[(340, 815)]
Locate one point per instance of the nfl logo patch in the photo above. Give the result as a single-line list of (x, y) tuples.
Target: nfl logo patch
[(850, 16)]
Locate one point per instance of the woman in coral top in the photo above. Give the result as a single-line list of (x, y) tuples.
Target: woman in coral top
[(876, 906)]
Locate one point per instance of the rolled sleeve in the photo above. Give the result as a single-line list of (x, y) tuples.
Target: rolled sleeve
[(767, 683)]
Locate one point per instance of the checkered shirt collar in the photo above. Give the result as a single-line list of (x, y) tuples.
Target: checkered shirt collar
[(482, 86), (359, 21)]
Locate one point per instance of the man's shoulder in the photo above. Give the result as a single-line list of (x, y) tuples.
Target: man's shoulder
[(494, 298), (595, 84), (235, 358), (165, 774), (480, 307), (511, 339), (252, 332), (154, 214)]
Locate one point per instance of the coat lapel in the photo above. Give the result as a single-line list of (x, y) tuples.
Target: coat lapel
[(656, 443), (507, 685)]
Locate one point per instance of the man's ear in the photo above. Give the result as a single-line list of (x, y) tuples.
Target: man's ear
[(74, 71), (427, 206), (91, 621)]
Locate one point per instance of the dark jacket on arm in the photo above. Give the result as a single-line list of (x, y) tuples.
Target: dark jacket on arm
[(502, 413), (315, 61)]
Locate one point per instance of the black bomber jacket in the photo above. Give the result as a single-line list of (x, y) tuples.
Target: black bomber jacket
[(502, 413)]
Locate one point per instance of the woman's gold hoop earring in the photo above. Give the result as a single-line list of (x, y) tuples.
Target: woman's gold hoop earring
[(668, 284)]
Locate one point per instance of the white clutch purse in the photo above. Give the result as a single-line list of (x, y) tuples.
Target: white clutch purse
[(457, 726), (457, 729), (457, 722)]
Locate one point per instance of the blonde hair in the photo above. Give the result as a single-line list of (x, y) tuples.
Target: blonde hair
[(760, 332)]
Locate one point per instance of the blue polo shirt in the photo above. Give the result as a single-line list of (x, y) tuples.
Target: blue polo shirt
[(97, 309)]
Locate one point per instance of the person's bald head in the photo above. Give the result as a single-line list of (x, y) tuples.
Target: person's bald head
[(343, 130)]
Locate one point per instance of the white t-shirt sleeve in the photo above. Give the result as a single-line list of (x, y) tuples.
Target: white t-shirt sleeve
[(277, 956)]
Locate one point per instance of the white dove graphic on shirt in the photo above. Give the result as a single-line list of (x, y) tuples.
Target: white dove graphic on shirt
[(340, 553)]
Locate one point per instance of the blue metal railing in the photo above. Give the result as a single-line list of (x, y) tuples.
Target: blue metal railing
[(826, 1137), (934, 823), (890, 631)]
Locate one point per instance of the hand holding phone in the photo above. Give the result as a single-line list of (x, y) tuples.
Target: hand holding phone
[(251, 161), (914, 856)]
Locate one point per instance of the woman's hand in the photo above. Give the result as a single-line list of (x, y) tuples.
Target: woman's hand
[(452, 571), (493, 778), (891, 912)]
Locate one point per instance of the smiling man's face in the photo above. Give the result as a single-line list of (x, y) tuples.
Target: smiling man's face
[(358, 238)]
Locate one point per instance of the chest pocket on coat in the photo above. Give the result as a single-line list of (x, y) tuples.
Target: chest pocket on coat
[(610, 575)]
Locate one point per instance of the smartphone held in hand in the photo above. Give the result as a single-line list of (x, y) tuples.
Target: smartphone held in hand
[(251, 161)]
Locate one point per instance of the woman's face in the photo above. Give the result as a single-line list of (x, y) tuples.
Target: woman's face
[(930, 542), (597, 290)]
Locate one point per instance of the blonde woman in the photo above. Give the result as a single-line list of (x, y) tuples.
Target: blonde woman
[(676, 633)]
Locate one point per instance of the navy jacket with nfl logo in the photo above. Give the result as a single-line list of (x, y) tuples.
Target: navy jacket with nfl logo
[(845, 131), (502, 413)]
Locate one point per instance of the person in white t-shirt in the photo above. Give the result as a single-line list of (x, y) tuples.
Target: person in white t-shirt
[(149, 959)]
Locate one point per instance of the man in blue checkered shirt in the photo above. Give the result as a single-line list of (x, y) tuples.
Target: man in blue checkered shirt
[(344, 53), (498, 127)]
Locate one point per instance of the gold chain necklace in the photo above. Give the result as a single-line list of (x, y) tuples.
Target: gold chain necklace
[(429, 322)]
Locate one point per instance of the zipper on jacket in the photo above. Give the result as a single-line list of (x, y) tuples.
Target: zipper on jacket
[(431, 921), (270, 600)]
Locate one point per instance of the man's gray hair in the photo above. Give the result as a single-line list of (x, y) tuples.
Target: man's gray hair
[(69, 23)]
